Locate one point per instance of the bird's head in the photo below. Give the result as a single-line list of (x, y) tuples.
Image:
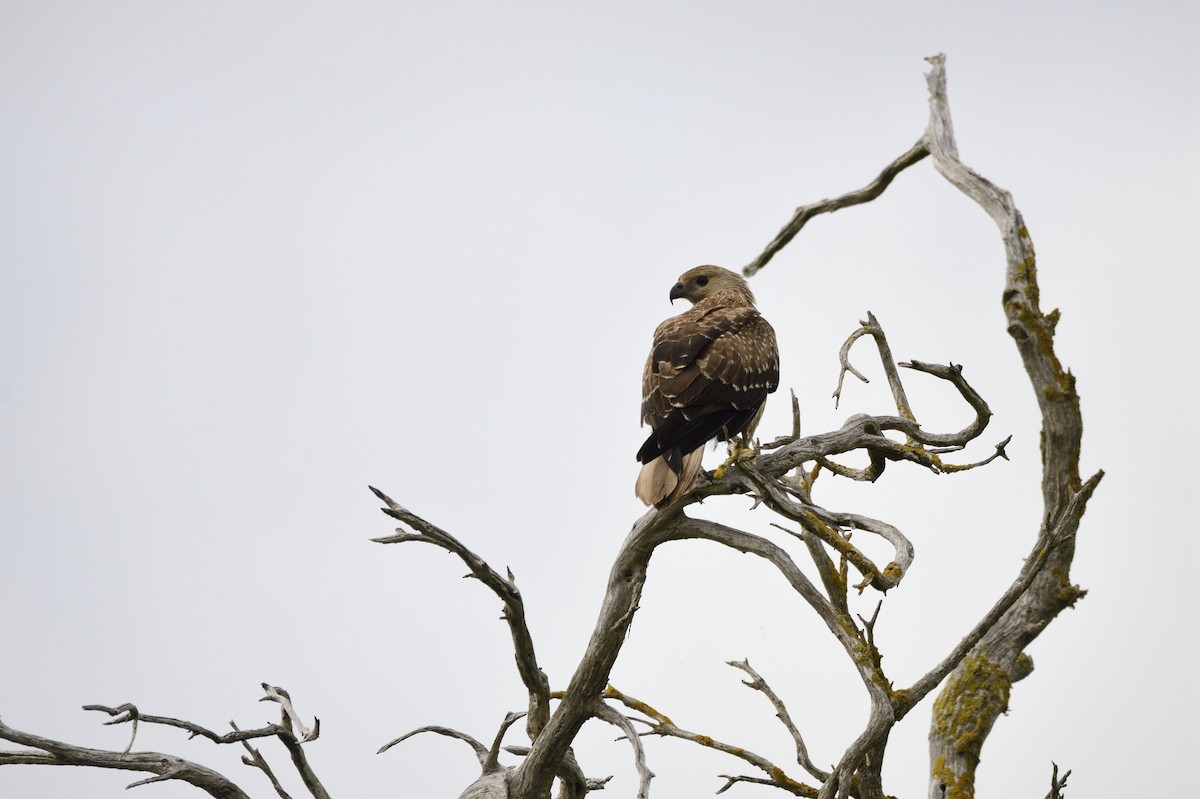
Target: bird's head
[(705, 281)]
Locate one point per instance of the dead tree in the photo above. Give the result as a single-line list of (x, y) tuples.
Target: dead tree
[(977, 674)]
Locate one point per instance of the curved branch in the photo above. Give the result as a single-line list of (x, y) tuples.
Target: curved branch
[(865, 194), (872, 328), (866, 432), (481, 751), (610, 715)]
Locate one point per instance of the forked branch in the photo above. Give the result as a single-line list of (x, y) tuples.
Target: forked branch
[(169, 767)]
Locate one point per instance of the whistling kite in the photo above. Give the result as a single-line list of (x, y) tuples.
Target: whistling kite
[(708, 375)]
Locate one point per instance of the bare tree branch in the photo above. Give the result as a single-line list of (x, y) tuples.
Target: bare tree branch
[(622, 593), (872, 328), (481, 751), (1057, 784), (164, 767), (1049, 542), (284, 731), (606, 713), (534, 679), (303, 768), (1042, 589), (757, 683), (831, 577), (984, 679), (493, 755), (817, 522), (128, 713), (255, 759), (865, 194), (731, 781), (291, 719), (661, 725)]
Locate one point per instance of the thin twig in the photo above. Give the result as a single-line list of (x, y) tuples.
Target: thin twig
[(731, 781), (757, 683)]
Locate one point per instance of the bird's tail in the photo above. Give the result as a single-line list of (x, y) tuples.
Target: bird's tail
[(659, 485)]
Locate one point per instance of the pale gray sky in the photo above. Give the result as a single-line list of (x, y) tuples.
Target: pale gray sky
[(256, 256)]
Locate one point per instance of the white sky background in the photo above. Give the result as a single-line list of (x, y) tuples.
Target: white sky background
[(257, 256)]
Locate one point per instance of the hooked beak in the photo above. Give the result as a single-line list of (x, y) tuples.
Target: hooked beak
[(676, 292)]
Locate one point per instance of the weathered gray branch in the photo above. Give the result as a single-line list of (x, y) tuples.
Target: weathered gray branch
[(660, 724), (169, 767), (618, 720), (983, 680), (254, 759), (823, 525), (532, 779), (757, 683), (991, 657), (536, 683), (129, 714), (1056, 783), (164, 767), (865, 194), (481, 751)]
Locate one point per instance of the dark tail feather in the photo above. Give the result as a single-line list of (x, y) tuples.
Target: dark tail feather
[(679, 435)]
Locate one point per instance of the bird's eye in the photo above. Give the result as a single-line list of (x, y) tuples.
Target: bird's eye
[(702, 281)]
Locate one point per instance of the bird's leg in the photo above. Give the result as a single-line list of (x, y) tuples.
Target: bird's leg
[(739, 450)]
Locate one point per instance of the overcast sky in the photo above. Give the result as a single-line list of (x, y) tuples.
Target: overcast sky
[(256, 256)]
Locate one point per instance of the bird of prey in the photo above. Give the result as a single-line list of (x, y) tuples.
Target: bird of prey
[(708, 376)]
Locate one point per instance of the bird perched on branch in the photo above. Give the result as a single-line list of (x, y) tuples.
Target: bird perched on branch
[(708, 376)]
